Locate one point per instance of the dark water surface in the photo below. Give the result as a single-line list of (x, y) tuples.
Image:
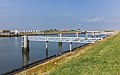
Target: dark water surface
[(12, 56)]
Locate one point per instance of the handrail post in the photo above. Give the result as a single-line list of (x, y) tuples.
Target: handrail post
[(86, 36)]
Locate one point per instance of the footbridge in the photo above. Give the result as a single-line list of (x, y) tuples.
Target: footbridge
[(70, 40)]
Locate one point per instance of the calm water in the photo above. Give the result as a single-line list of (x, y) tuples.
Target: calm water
[(12, 56)]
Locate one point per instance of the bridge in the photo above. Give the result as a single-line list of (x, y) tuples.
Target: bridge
[(60, 39)]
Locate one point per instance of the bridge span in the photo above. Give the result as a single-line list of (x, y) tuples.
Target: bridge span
[(60, 39), (64, 39)]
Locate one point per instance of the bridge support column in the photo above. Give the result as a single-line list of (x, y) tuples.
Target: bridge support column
[(86, 36), (93, 34), (46, 47), (70, 46), (60, 35), (46, 52), (100, 34), (46, 44), (25, 43), (77, 35), (97, 34), (25, 57)]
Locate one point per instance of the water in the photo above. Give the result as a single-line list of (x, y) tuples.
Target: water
[(12, 56)]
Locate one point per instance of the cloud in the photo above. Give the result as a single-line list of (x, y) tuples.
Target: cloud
[(95, 19)]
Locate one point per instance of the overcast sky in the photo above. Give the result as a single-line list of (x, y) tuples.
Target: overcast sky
[(60, 14)]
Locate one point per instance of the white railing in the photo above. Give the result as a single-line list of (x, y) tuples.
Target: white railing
[(63, 39)]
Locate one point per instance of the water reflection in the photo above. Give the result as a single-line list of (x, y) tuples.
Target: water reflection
[(60, 48), (25, 57), (46, 52)]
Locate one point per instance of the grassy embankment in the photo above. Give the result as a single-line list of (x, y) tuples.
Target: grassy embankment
[(102, 58)]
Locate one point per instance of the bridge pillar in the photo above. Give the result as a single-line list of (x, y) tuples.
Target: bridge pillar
[(93, 34), (97, 34), (46, 52), (25, 43), (70, 46), (60, 35), (25, 57), (46, 47), (60, 48), (46, 44), (86, 36), (77, 35)]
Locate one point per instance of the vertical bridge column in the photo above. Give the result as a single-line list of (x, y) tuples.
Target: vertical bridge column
[(93, 34), (70, 46), (100, 33), (46, 44), (77, 35), (86, 36), (60, 40), (25, 42), (97, 34), (60, 35)]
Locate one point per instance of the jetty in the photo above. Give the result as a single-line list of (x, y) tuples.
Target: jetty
[(70, 40)]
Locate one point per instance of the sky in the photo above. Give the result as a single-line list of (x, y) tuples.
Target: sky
[(60, 14)]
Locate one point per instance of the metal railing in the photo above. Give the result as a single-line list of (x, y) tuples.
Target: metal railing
[(63, 39)]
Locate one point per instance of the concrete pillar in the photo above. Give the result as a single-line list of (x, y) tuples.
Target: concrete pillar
[(77, 35), (25, 57), (25, 42), (60, 48), (46, 44), (97, 34), (70, 46), (46, 52), (60, 35), (60, 40), (86, 36), (92, 34), (46, 47)]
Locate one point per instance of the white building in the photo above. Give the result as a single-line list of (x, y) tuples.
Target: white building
[(16, 31)]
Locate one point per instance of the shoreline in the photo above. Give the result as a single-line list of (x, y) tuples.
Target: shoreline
[(42, 61)]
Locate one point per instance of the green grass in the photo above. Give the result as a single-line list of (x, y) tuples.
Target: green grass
[(103, 59)]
